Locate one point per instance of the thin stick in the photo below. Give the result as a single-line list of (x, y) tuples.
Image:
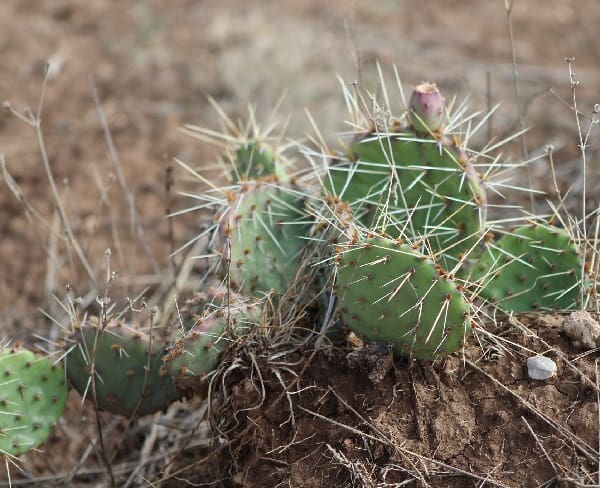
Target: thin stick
[(30, 212), (508, 6), (579, 444), (35, 121), (102, 319), (114, 155), (51, 271), (539, 443), (582, 147), (488, 99), (352, 40), (598, 407), (399, 449)]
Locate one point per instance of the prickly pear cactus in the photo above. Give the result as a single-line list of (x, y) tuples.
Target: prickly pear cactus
[(414, 181), (193, 356), (125, 367), (534, 267), (264, 232), (33, 393), (255, 159), (390, 293)]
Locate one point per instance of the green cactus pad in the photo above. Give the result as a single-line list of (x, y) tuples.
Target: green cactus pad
[(33, 393), (254, 160), (392, 294), (193, 356), (122, 385), (535, 267), (267, 230), (417, 185)]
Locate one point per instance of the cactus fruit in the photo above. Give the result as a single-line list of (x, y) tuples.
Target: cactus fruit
[(390, 293), (535, 267), (125, 366), (197, 353), (418, 186), (264, 232), (33, 394), (427, 109)]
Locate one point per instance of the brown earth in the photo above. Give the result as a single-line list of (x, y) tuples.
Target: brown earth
[(153, 65), (361, 419)]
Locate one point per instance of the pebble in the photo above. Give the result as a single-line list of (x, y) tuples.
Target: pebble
[(540, 368), (582, 329)]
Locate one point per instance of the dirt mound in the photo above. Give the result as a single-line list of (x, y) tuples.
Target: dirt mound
[(308, 418)]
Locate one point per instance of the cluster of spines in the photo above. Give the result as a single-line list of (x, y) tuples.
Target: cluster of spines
[(255, 159), (202, 303)]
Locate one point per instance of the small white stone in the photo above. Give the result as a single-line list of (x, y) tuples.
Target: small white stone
[(540, 368)]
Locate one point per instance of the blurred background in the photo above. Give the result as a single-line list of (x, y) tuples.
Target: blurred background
[(153, 65)]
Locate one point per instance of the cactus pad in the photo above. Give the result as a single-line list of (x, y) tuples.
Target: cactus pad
[(390, 293), (254, 160), (423, 187), (535, 267), (193, 356), (267, 229), (119, 355), (33, 393)]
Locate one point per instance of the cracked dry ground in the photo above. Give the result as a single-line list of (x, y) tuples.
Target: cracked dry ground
[(478, 413)]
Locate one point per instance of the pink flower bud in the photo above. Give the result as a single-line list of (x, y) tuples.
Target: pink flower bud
[(426, 108)]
